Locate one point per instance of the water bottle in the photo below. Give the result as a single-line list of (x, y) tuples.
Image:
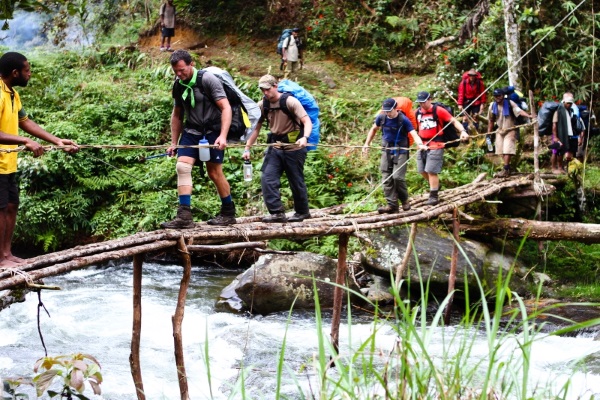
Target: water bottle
[(247, 171), (204, 152), (490, 146)]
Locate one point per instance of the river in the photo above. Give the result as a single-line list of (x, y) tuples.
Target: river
[(93, 314)]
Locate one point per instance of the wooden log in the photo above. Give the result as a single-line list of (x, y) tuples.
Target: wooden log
[(453, 263), (402, 266), (78, 263), (535, 230), (226, 247), (134, 355), (338, 292), (177, 319)]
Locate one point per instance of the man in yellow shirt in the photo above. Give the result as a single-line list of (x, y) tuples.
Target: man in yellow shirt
[(15, 71)]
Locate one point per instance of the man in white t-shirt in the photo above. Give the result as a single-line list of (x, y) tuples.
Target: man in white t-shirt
[(292, 54)]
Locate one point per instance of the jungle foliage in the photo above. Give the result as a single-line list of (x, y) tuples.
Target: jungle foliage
[(113, 94)]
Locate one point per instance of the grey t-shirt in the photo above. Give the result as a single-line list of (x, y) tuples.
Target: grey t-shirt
[(205, 116)]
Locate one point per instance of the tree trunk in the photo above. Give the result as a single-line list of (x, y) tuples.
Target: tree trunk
[(513, 51), (535, 230)]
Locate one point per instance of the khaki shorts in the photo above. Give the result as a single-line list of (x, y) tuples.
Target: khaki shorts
[(506, 143)]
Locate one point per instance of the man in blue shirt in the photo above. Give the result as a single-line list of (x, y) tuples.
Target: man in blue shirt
[(394, 157)]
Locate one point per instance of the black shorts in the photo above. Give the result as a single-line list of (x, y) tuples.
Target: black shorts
[(9, 190), (168, 32)]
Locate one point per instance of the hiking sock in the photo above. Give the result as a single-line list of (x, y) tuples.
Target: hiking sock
[(226, 200), (185, 199)]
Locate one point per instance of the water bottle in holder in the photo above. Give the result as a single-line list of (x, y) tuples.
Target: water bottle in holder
[(204, 152), (490, 146), (247, 171)]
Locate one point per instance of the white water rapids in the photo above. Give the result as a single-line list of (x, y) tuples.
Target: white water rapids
[(93, 314)]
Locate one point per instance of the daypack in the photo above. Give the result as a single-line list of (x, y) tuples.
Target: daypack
[(245, 112), (284, 35), (405, 106), (544, 117), (450, 137), (290, 88)]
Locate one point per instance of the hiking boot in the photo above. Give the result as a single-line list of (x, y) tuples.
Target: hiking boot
[(225, 217), (276, 217), (183, 220), (297, 217), (433, 198), (387, 209), (405, 206), (505, 173)]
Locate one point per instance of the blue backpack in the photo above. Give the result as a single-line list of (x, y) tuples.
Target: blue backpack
[(284, 35), (291, 88)]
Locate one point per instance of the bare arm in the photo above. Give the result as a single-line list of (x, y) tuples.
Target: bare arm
[(35, 130), (463, 133), (303, 141), (369, 139), (31, 145), (176, 129), (226, 116), (251, 140)]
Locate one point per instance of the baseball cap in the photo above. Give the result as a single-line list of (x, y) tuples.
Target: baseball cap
[(498, 92), (472, 72), (388, 105), (267, 82), (568, 99), (295, 29), (422, 97)]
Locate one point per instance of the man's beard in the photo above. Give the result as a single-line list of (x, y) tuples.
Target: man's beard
[(20, 81)]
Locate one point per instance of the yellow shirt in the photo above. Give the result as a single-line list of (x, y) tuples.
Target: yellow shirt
[(11, 113)]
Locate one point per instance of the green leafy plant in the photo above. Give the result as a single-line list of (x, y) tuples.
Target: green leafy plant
[(10, 387), (75, 370)]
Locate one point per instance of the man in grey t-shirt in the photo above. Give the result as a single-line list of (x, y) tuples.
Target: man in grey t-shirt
[(200, 111)]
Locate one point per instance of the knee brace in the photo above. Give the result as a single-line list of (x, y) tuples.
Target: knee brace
[(184, 173)]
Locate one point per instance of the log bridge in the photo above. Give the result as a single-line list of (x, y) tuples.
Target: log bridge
[(250, 233)]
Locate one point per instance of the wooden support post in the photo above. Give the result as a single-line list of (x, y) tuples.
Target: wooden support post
[(402, 266), (177, 319), (134, 356), (453, 263), (338, 292)]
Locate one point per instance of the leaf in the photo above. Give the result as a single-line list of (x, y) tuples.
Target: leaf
[(43, 381), (77, 380)]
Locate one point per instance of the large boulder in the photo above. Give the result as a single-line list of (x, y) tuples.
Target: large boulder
[(432, 264), (278, 281)]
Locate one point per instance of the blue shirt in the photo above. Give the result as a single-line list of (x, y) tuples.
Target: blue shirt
[(395, 130)]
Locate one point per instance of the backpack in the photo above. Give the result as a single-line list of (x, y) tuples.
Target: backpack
[(290, 88), (450, 134), (544, 117), (519, 99), (245, 112), (284, 35)]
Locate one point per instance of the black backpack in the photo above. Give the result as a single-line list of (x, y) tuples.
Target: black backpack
[(544, 117), (450, 137)]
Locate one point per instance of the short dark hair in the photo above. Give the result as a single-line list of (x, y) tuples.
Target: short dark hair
[(179, 55), (11, 61)]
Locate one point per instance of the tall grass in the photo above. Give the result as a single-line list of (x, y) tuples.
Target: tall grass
[(428, 359)]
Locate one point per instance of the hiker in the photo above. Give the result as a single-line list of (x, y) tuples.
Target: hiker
[(567, 133), (503, 112), (15, 71), (471, 95), (395, 128), (167, 24), (430, 161), (200, 101), (292, 54), (286, 154)]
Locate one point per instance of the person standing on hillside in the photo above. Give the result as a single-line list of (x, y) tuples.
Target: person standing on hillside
[(432, 119), (395, 128), (292, 53), (200, 111), (287, 154), (503, 112), (471, 95), (15, 71), (167, 24)]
